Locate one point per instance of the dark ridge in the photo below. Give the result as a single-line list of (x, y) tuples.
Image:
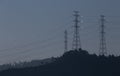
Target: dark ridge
[(72, 63)]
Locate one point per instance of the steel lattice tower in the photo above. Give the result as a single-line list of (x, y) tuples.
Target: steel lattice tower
[(66, 41), (102, 49), (76, 44)]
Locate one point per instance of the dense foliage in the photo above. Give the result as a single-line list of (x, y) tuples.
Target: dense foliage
[(72, 63)]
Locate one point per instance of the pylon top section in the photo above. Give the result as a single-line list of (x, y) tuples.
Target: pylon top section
[(76, 37)]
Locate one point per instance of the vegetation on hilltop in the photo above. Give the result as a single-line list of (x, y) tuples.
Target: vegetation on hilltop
[(72, 63)]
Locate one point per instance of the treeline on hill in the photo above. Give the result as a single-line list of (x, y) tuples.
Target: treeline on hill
[(25, 64), (72, 63)]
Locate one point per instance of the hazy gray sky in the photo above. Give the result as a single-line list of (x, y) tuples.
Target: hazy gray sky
[(33, 29)]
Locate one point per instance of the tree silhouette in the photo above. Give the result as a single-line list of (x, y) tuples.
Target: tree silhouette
[(72, 63)]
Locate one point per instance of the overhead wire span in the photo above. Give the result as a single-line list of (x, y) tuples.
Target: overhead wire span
[(52, 35), (55, 32), (22, 47), (41, 48)]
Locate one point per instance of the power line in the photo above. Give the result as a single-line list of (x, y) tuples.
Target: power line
[(76, 36), (56, 32), (22, 52), (46, 41)]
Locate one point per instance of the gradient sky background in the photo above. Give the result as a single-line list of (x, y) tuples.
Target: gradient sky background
[(34, 29)]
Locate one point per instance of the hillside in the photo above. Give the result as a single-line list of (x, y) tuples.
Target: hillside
[(72, 63), (25, 64)]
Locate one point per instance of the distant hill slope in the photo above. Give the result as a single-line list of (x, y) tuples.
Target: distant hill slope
[(25, 64), (72, 63)]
